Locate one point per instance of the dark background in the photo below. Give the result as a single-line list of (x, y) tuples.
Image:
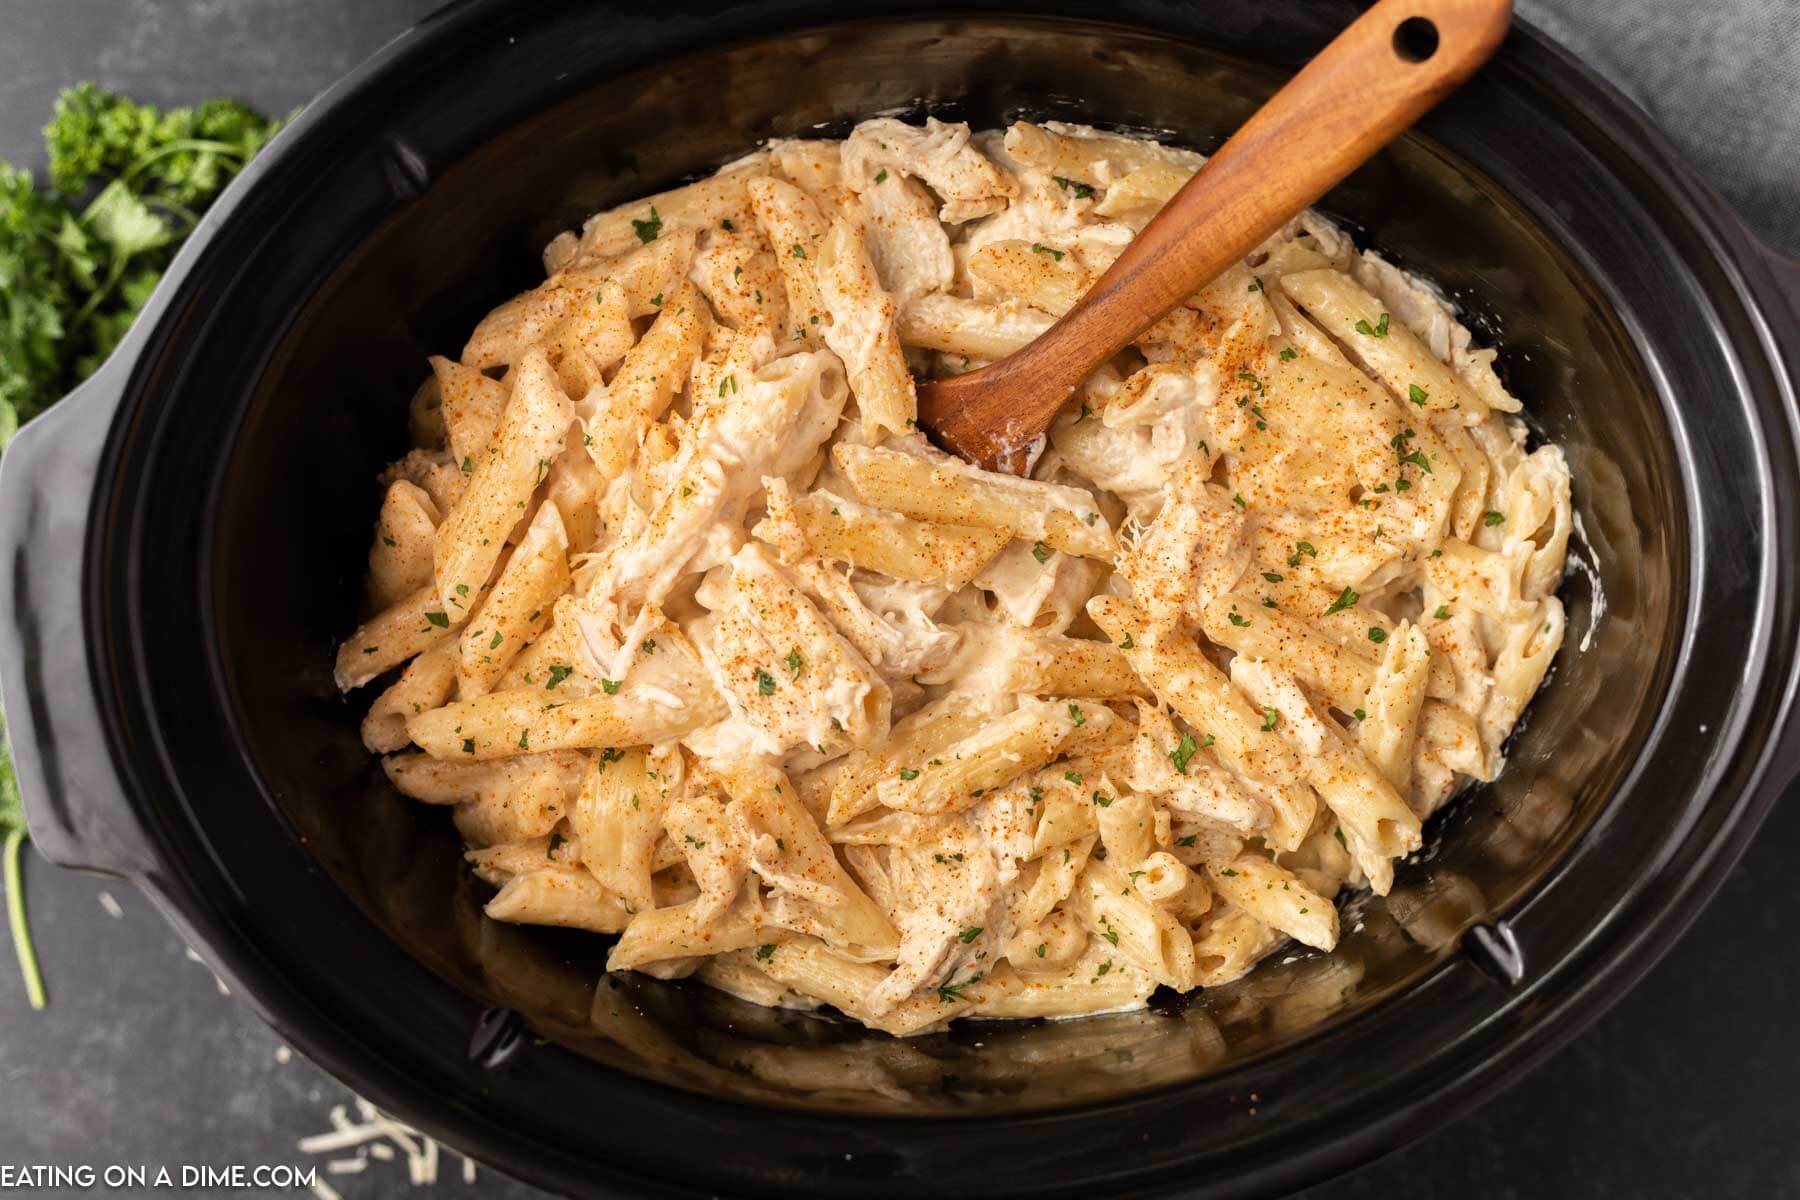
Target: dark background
[(1686, 1088)]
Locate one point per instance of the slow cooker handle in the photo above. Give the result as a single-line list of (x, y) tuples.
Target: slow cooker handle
[(75, 798)]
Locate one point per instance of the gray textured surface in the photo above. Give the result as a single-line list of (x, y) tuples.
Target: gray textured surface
[(1685, 1089), (1723, 79)]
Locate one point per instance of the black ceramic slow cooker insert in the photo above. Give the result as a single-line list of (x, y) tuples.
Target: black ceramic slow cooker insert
[(185, 542)]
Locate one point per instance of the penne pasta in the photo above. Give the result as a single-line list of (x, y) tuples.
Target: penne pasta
[(528, 719), (526, 445), (954, 492), (841, 530), (861, 331), (704, 646), (408, 627), (517, 608), (428, 681), (400, 556)]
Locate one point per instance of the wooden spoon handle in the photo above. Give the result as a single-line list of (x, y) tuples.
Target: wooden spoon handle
[(1362, 91)]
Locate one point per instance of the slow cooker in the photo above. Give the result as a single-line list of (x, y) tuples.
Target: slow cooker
[(185, 539)]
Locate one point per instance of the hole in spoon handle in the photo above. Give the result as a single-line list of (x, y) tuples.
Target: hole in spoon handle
[(1416, 39)]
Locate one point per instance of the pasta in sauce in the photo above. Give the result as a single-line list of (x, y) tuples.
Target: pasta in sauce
[(707, 647)]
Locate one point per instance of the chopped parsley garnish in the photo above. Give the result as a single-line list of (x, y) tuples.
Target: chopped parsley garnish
[(1229, 873), (799, 250), (1082, 190), (1417, 394), (1360, 715), (1077, 716), (1442, 613), (1288, 354), (74, 276), (1240, 622), (691, 840), (441, 620), (524, 739), (1040, 552), (1189, 840), (1346, 599), (795, 663), (647, 230), (1073, 777), (558, 673), (1238, 500), (1108, 932), (1377, 634), (1102, 799), (765, 952), (1271, 576), (610, 686), (968, 935), (1183, 753), (1041, 947), (1271, 719), (881, 175), (1490, 519), (953, 991), (909, 773), (1379, 329), (765, 683), (1127, 644), (1040, 248), (468, 745)]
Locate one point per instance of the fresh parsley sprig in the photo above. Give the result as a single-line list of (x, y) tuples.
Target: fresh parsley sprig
[(77, 264), (12, 825)]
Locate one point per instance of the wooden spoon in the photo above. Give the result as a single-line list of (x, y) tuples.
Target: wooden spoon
[(1363, 90)]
